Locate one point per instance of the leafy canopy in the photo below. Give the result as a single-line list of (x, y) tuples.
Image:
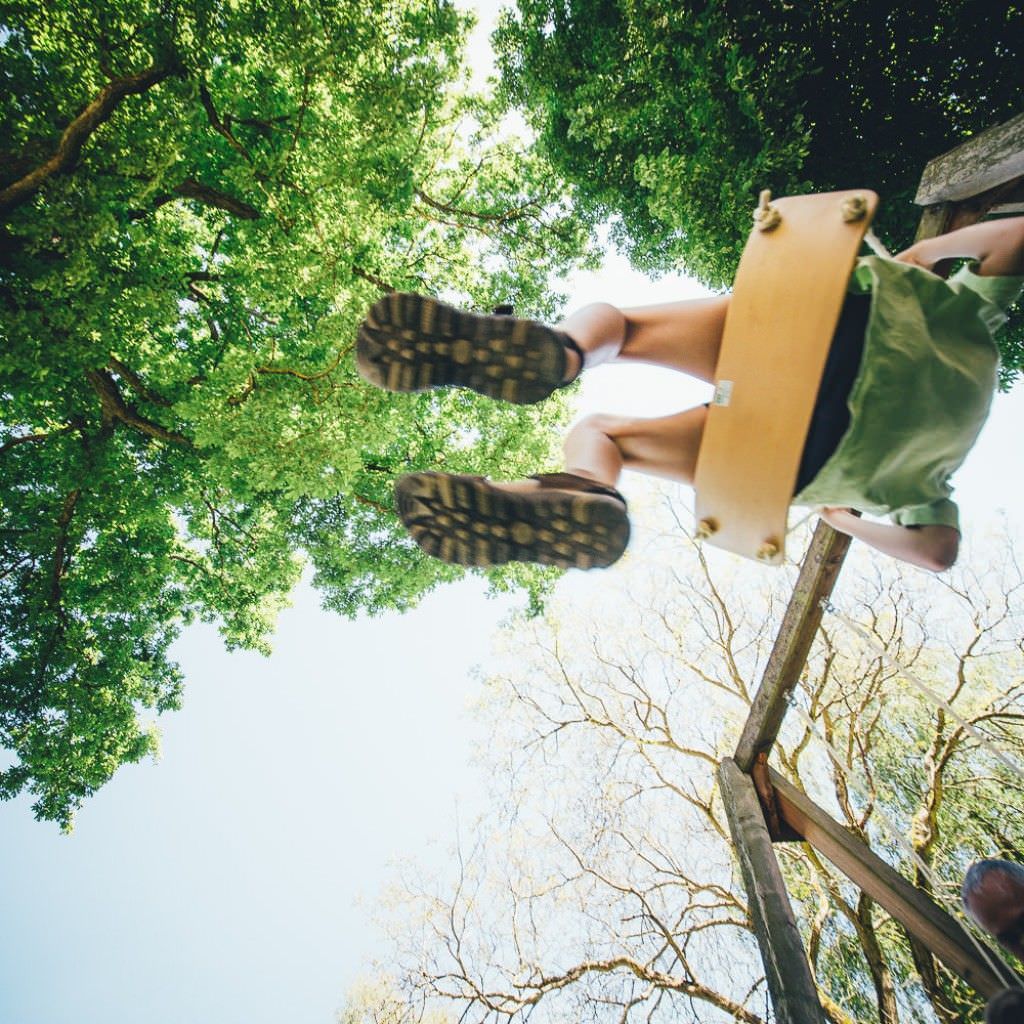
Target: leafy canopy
[(198, 201), (671, 117)]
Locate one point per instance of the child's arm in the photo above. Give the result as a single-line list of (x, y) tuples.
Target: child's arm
[(998, 245), (930, 547)]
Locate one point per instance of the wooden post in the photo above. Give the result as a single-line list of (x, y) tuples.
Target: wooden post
[(933, 927), (790, 982), (987, 160), (984, 175), (818, 575)]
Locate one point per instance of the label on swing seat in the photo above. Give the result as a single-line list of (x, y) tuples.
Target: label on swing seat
[(723, 393)]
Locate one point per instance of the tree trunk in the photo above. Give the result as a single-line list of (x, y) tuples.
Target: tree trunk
[(880, 974)]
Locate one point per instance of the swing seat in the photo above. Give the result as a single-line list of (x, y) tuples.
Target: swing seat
[(786, 300)]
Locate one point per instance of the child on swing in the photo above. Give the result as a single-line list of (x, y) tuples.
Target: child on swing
[(907, 386)]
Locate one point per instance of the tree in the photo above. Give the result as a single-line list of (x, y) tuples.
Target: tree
[(670, 118), (199, 200), (602, 885)]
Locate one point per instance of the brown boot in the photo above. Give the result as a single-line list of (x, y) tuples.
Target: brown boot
[(568, 521), (413, 343)]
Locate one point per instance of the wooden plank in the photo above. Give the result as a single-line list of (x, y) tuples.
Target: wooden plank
[(786, 300), (970, 211), (934, 221), (817, 578), (981, 163), (790, 982), (938, 931)]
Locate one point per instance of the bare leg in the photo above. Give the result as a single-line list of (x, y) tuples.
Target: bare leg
[(575, 519), (683, 336), (567, 520), (599, 447)]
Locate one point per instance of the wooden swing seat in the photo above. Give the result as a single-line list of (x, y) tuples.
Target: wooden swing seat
[(785, 305)]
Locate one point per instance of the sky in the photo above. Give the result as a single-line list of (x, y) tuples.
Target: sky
[(236, 878)]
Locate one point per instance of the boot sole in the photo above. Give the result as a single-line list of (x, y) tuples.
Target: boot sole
[(465, 520), (413, 343)]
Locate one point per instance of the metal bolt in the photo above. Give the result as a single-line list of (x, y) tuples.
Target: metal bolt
[(767, 551), (705, 528), (854, 208)]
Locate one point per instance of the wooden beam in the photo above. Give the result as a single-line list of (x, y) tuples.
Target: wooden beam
[(920, 916), (817, 578), (970, 211), (988, 159), (790, 982)]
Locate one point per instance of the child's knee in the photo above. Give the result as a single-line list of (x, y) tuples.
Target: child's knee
[(597, 423), (605, 309), (598, 431), (602, 315)]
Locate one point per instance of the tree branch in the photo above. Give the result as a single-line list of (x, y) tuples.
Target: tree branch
[(27, 438), (60, 551), (662, 980), (209, 196), (192, 189), (116, 409), (218, 125), (77, 133), (136, 383), (373, 279), (491, 218)]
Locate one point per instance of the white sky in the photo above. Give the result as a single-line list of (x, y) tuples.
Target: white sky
[(234, 880)]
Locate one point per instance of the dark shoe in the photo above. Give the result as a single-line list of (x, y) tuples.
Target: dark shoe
[(569, 521), (414, 343)]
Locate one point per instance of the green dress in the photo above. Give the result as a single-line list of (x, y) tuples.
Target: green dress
[(921, 395)]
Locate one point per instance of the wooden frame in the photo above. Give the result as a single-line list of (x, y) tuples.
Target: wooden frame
[(787, 972), (985, 174), (818, 574), (918, 914), (989, 160)]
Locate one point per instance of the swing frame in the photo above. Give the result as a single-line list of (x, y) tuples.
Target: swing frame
[(984, 175)]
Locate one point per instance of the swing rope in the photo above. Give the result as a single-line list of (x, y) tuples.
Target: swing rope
[(875, 244), (924, 689), (800, 522), (994, 962)]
